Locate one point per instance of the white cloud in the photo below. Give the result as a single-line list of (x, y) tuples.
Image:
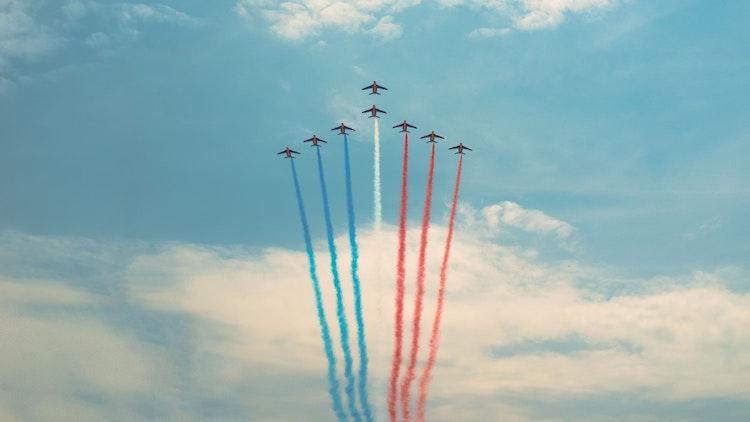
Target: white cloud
[(28, 34), (533, 14), (506, 313), (550, 13), (52, 359), (343, 109), (489, 32), (514, 326), (297, 20), (21, 34), (387, 29), (154, 13), (510, 214), (97, 39)]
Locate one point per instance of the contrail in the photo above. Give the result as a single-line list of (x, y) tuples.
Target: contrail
[(378, 211), (343, 326), (325, 333), (400, 277), (361, 343), (424, 380), (419, 295)]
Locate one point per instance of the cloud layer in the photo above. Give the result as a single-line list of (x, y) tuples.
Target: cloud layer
[(31, 30), (208, 323), (300, 19), (296, 20)]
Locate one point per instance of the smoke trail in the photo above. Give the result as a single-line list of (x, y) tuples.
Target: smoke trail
[(400, 277), (361, 343), (325, 333), (378, 211), (424, 379), (419, 295), (343, 326)]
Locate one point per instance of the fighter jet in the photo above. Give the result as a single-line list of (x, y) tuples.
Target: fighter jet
[(342, 128), (373, 111), (460, 147), (315, 141), (432, 136), (288, 151), (404, 127), (374, 87)]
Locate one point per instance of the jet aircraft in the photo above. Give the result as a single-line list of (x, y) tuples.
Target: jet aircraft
[(432, 136), (404, 126), (374, 88), (374, 111), (315, 141), (342, 128), (460, 147), (288, 151)]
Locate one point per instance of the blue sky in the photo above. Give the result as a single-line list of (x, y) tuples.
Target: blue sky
[(610, 148)]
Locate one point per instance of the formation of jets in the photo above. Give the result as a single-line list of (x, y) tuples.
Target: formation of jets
[(315, 141), (288, 152), (432, 136), (374, 88), (342, 128), (373, 111), (460, 147), (404, 127)]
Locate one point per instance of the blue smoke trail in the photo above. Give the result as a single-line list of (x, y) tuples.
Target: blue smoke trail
[(343, 326), (362, 344), (333, 382)]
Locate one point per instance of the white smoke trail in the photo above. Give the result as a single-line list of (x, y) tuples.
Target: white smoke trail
[(378, 211)]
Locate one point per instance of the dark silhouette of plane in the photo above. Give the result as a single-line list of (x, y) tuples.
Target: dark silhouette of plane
[(342, 128), (374, 87), (404, 127), (460, 147), (288, 151), (432, 136), (374, 111), (315, 141)]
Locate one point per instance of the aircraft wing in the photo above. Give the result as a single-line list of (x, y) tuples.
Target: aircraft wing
[(369, 110), (279, 153), (468, 149), (411, 126), (380, 111), (426, 136), (438, 136), (382, 87), (336, 128), (347, 127), (456, 147), (394, 127), (320, 140), (308, 140), (368, 87), (294, 151)]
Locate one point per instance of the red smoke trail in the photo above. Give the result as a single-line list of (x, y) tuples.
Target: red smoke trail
[(400, 277), (424, 380), (419, 295)]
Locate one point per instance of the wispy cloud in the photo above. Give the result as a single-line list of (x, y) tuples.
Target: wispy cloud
[(387, 29), (154, 13), (489, 32), (22, 35), (297, 20), (508, 214), (28, 32), (532, 14)]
